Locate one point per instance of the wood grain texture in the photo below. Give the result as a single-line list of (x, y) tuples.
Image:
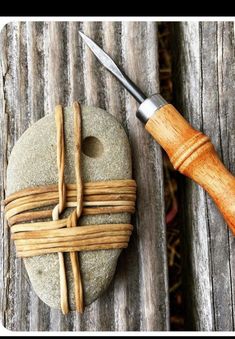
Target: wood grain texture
[(44, 64), (192, 154), (204, 92)]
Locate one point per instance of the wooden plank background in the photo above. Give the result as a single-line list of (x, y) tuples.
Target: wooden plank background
[(43, 64), (204, 86)]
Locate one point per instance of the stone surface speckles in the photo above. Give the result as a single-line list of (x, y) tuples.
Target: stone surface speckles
[(33, 162)]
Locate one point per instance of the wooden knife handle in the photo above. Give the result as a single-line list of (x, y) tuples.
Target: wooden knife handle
[(192, 154)]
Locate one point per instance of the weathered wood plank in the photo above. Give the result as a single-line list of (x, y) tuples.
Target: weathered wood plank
[(148, 172), (44, 64), (36, 83), (204, 85)]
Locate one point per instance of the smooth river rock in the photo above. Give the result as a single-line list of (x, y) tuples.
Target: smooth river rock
[(106, 155)]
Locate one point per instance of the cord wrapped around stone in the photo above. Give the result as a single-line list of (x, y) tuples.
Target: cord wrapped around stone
[(63, 235)]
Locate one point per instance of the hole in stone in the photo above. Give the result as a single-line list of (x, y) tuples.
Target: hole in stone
[(92, 147), (39, 272)]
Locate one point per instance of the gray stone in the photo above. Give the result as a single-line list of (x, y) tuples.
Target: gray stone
[(33, 162)]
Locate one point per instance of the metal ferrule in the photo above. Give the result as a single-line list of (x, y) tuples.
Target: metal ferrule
[(149, 107)]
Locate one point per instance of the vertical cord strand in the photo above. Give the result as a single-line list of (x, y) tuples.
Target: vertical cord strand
[(72, 220), (62, 200)]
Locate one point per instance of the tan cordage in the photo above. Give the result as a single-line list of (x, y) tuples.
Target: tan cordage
[(63, 235)]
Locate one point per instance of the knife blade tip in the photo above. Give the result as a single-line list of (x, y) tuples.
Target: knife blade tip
[(82, 35)]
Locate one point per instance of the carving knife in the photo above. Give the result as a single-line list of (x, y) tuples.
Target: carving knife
[(190, 151)]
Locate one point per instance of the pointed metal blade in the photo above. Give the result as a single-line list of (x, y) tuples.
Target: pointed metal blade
[(106, 61)]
